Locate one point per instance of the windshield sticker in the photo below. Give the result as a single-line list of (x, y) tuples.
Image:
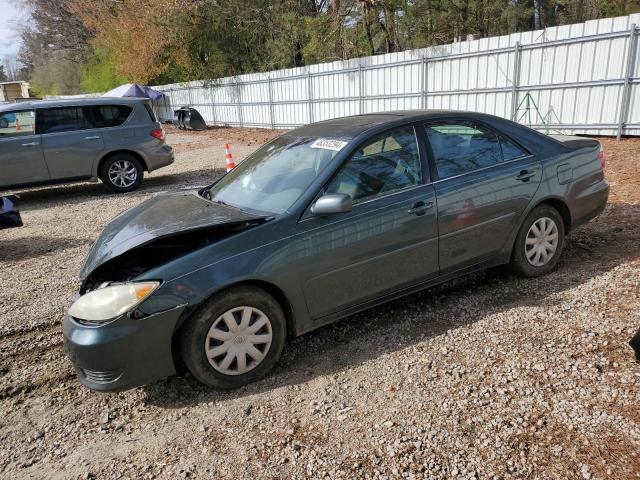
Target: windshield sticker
[(329, 144)]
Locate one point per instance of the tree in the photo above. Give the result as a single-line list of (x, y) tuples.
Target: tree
[(54, 46), (12, 69), (144, 38)]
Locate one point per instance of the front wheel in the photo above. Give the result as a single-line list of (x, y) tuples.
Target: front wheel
[(122, 173), (539, 242), (234, 339)]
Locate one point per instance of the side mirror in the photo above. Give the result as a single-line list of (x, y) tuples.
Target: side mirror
[(332, 203)]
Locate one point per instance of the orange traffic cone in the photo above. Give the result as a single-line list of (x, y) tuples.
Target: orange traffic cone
[(18, 126), (230, 164)]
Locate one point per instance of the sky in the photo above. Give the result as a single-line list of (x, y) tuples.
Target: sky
[(12, 14)]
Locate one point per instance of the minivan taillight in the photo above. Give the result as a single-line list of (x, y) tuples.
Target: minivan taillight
[(602, 157), (157, 133)]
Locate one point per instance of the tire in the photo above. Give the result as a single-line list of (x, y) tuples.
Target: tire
[(205, 329), (525, 260), (130, 169)]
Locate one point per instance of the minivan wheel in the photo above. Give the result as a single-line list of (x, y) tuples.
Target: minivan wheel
[(234, 339), (122, 173), (539, 242)]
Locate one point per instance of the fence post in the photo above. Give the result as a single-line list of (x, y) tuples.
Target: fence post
[(213, 105), (626, 89), (189, 94), (170, 114), (239, 102), (270, 103), (423, 99), (360, 90), (310, 96), (515, 81)]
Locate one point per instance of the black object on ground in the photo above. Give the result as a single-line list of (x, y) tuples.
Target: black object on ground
[(635, 344), (190, 119), (9, 215)]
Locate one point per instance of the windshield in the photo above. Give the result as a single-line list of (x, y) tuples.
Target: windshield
[(273, 177)]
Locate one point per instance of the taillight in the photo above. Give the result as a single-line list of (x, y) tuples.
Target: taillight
[(157, 133), (602, 157)]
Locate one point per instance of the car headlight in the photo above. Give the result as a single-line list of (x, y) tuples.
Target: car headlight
[(112, 301)]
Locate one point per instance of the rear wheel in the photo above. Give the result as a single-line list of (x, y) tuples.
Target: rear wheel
[(539, 242), (234, 339), (122, 173)]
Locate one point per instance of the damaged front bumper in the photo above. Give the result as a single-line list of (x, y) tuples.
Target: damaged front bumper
[(123, 353)]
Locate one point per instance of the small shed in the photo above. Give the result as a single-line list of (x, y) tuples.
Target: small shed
[(12, 91)]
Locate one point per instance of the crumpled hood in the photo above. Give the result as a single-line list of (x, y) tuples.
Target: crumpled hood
[(160, 216)]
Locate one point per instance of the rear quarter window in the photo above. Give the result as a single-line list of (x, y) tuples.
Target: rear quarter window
[(103, 116), (149, 110)]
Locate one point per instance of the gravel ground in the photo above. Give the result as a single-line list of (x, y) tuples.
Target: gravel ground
[(490, 376)]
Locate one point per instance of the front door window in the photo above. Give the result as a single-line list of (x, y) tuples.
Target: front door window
[(388, 163), (17, 124)]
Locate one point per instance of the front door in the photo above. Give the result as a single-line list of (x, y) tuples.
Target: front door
[(21, 158), (70, 143), (387, 242), (485, 182)]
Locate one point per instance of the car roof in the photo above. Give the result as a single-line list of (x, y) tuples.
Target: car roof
[(352, 126), (70, 102)]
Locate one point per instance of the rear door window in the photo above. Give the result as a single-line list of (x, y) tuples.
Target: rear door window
[(510, 150), (62, 119), (461, 147), (103, 116), (17, 124)]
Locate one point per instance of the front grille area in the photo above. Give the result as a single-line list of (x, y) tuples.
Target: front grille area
[(106, 376)]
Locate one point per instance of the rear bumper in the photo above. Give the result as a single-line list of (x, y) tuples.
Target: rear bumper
[(159, 158), (590, 203), (124, 353)]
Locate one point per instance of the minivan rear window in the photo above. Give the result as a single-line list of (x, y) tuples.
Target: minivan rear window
[(103, 116)]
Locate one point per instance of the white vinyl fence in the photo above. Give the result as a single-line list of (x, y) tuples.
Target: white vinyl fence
[(581, 78)]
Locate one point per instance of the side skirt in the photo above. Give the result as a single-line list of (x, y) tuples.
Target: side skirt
[(385, 298)]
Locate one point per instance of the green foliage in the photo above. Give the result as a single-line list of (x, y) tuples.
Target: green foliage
[(99, 72), (105, 43)]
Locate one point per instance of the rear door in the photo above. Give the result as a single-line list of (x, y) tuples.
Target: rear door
[(21, 158), (70, 141), (387, 242), (485, 182)]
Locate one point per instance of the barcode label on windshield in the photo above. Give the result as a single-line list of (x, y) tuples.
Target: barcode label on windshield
[(329, 144)]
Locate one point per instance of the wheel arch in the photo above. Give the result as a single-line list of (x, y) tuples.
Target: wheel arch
[(111, 153), (563, 209), (557, 203), (276, 292)]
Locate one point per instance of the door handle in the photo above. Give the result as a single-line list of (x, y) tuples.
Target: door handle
[(94, 137), (420, 208), (30, 144), (525, 175)]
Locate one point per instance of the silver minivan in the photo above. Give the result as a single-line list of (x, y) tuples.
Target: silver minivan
[(59, 141)]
